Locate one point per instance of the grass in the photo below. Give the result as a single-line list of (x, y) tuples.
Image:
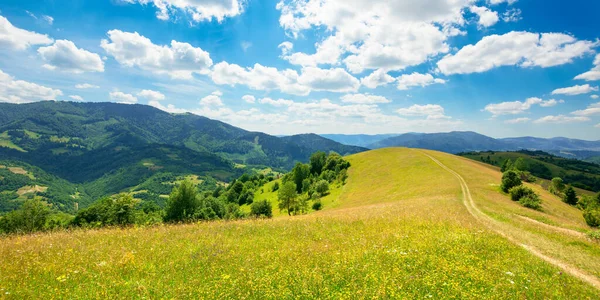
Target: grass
[(397, 229)]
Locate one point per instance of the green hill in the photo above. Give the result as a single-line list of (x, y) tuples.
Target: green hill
[(407, 224), (581, 174)]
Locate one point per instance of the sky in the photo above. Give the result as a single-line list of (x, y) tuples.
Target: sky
[(503, 68)]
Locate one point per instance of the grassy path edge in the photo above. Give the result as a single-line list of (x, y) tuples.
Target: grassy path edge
[(493, 224)]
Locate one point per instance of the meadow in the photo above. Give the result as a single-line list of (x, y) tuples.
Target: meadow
[(399, 228)]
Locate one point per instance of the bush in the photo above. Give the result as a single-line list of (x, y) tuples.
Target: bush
[(592, 217), (322, 187), (531, 201), (261, 208), (557, 186), (275, 186), (109, 211), (317, 205), (31, 217), (510, 179), (518, 192)]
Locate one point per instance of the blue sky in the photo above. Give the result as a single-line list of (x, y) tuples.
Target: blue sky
[(499, 67)]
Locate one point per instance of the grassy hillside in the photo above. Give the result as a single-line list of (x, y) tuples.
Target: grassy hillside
[(584, 175), (402, 227)]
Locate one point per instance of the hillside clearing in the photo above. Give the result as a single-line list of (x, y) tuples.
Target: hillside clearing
[(399, 229)]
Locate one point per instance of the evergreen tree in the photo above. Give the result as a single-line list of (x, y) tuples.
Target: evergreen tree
[(506, 165), (570, 196)]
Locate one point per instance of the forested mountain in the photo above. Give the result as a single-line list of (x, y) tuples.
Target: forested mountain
[(361, 140), (452, 142), (104, 148)]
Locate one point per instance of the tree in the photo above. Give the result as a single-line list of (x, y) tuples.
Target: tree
[(299, 173), (322, 187), (317, 162), (182, 202), (557, 186), (506, 165), (570, 196), (287, 196), (510, 179), (261, 208), (520, 164), (275, 186), (31, 217)]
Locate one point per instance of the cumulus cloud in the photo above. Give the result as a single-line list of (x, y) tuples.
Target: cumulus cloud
[(522, 49), (512, 15), (64, 55), (249, 99), (123, 98), (496, 2), (198, 10), (364, 99), (19, 91), (19, 39), (575, 90), (407, 81), (518, 107), (178, 60), (517, 121), (431, 111), (487, 17), (593, 74), (286, 48), (76, 97), (288, 81), (377, 78), (214, 99), (151, 95), (561, 119), (276, 103), (86, 86), (591, 110), (594, 96)]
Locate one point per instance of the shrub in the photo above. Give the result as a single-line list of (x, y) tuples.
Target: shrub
[(275, 186), (109, 211), (531, 201), (592, 217), (510, 179), (261, 208), (557, 186), (570, 196), (31, 217), (518, 192), (322, 187), (317, 205)]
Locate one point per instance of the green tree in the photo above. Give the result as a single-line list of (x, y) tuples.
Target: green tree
[(31, 217), (506, 165), (288, 196), (322, 187), (510, 179), (317, 162), (275, 186), (557, 186), (182, 202), (299, 173), (261, 208), (520, 164), (570, 196)]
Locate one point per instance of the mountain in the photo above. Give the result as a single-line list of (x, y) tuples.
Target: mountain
[(316, 143), (361, 140), (559, 143), (105, 148), (451, 142)]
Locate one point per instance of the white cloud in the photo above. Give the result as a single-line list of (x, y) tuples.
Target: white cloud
[(76, 97), (517, 121), (19, 91), (561, 119), (518, 107), (593, 74), (151, 95), (512, 15), (86, 86), (364, 99), (288, 81), (286, 48), (408, 81), (198, 10), (214, 99), (19, 39), (575, 90), (386, 34), (591, 110), (486, 16), (121, 97), (431, 111), (277, 103), (48, 19), (249, 99), (522, 49), (64, 55), (594, 96), (245, 45), (377, 78), (496, 2), (179, 60)]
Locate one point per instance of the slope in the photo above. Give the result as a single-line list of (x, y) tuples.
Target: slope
[(399, 229)]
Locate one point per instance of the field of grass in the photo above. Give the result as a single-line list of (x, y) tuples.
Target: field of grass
[(399, 228)]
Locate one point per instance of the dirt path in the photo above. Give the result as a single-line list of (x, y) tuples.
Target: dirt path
[(496, 226), (554, 228)]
